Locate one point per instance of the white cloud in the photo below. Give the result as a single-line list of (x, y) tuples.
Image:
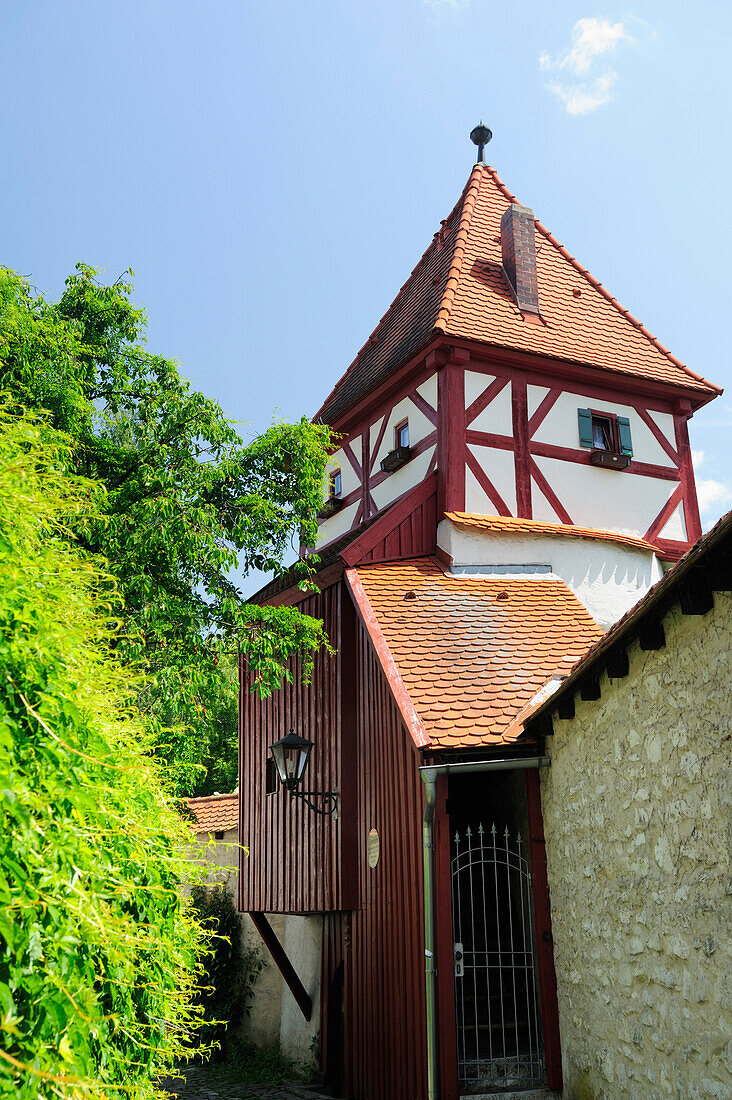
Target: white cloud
[(592, 40), (714, 496)]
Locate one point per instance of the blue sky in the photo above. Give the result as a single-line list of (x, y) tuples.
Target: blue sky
[(272, 171)]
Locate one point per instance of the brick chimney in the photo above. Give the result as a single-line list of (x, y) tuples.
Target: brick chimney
[(519, 256)]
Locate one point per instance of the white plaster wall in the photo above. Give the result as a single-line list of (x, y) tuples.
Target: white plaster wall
[(500, 469), (561, 426), (636, 810), (398, 483), (534, 397), (337, 525), (610, 500), (608, 579), (303, 940), (419, 425), (262, 1024), (496, 417)]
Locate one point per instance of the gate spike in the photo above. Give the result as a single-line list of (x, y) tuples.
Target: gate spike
[(480, 829), (506, 834), (457, 837), (493, 830), (468, 832)]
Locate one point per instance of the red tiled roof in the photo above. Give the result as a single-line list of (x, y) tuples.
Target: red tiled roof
[(458, 288), (510, 525), (215, 813), (471, 653)]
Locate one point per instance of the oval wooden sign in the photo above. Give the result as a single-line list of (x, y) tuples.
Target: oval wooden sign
[(373, 848)]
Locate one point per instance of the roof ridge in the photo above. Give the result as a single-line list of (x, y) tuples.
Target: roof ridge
[(470, 193), (212, 797), (598, 286), (372, 338)]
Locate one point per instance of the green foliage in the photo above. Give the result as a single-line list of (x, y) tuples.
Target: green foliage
[(230, 969), (98, 950), (186, 502)]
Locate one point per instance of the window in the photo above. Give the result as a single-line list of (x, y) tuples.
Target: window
[(401, 434), (603, 431), (335, 483), (270, 776), (219, 834)]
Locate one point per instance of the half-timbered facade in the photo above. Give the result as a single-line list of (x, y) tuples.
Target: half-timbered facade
[(511, 474)]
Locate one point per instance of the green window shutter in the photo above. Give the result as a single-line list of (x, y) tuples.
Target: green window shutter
[(585, 427), (626, 443)]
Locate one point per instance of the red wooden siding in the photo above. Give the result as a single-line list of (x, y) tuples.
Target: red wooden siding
[(414, 537), (295, 862), (385, 984)]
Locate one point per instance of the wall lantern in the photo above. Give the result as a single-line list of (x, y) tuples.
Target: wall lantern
[(291, 755)]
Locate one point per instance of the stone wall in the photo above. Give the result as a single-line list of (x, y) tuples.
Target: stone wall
[(273, 1017), (637, 817)]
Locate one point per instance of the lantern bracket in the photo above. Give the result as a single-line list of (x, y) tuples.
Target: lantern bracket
[(329, 801)]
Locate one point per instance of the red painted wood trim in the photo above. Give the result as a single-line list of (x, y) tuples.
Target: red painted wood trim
[(487, 439), (571, 454), (294, 595), (397, 512), (521, 457), (547, 403), (284, 965), (485, 398), (346, 448), (665, 514), (432, 465), (486, 484), (688, 481), (379, 438), (545, 370), (656, 431), (366, 479), (544, 942), (424, 406), (444, 938), (671, 550), (348, 752), (451, 438), (393, 676), (549, 493)]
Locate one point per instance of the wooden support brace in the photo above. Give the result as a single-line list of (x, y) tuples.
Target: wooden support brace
[(617, 664), (695, 595), (651, 635), (590, 688), (566, 707), (284, 965)]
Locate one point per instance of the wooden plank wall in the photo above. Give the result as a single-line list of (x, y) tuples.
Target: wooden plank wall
[(295, 856), (414, 537), (385, 984)]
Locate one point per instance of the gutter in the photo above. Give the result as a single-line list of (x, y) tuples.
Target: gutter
[(430, 774)]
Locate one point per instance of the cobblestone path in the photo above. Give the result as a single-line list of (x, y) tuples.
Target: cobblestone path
[(220, 1083)]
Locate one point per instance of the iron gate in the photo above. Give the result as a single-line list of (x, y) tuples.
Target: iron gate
[(498, 1022)]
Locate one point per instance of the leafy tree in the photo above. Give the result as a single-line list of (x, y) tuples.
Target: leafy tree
[(187, 503), (98, 950)]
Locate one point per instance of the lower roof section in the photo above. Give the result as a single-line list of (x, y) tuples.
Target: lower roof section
[(464, 655)]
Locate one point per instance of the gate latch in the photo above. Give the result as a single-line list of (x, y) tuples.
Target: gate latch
[(458, 956)]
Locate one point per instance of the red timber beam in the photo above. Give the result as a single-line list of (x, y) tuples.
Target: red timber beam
[(544, 941), (284, 965), (519, 407), (450, 427), (686, 470)]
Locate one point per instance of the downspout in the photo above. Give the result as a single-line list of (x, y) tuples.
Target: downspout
[(429, 776), (430, 971)]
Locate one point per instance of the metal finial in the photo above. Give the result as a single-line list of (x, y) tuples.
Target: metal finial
[(480, 136)]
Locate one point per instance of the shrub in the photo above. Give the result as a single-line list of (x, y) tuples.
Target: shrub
[(98, 948), (231, 970)]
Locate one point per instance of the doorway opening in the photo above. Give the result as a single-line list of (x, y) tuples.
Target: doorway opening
[(498, 1018)]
